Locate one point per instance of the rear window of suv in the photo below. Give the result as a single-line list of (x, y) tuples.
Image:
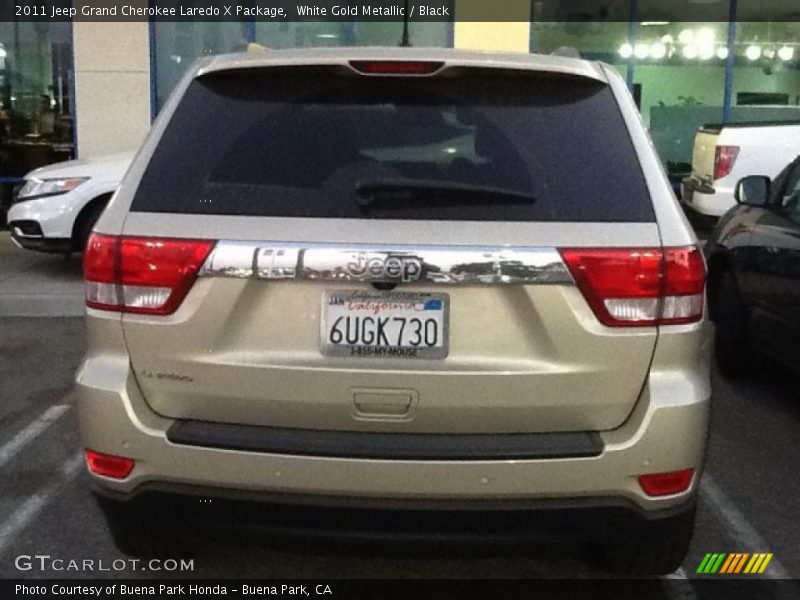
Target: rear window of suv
[(476, 145)]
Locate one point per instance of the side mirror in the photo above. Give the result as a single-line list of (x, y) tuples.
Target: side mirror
[(753, 190)]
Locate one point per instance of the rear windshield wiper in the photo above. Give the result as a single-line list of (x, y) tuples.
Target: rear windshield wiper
[(433, 191)]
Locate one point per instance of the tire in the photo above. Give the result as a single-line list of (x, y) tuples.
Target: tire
[(85, 224), (659, 552), (143, 533), (732, 347)]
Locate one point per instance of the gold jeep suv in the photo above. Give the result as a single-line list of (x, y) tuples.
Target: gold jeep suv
[(451, 291)]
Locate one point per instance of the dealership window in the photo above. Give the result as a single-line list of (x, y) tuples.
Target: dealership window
[(36, 104), (766, 83), (682, 71), (676, 89), (679, 74), (177, 45)]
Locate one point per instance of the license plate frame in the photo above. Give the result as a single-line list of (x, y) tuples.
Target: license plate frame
[(372, 303)]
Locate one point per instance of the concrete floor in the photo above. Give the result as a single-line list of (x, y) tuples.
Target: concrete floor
[(33, 284)]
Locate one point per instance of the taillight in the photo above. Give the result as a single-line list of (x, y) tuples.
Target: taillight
[(108, 465), (396, 67), (141, 275), (724, 158), (666, 484), (637, 287)]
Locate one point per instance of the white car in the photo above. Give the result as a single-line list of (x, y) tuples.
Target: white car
[(724, 154), (58, 205)]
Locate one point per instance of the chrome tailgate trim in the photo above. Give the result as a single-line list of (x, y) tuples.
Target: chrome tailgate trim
[(444, 265)]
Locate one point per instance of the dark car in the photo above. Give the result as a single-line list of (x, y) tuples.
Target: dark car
[(754, 274)]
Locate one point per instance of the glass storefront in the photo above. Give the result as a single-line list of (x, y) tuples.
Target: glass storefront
[(36, 103), (679, 70), (687, 74), (766, 83)]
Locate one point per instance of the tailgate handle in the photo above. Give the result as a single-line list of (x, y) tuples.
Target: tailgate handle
[(384, 404)]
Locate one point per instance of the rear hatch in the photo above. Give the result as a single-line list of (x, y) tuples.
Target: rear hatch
[(459, 189)]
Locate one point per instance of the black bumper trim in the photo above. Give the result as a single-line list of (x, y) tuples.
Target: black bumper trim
[(42, 244), (27, 228), (239, 512), (385, 446), (192, 493)]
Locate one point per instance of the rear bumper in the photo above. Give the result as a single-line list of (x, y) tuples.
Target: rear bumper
[(704, 200), (666, 431), (700, 221)]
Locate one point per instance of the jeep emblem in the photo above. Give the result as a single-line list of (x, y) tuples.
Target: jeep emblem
[(385, 267)]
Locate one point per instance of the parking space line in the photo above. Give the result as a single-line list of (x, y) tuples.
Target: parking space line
[(739, 529), (28, 510), (31, 432)]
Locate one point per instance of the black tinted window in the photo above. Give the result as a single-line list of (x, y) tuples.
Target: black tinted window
[(482, 146)]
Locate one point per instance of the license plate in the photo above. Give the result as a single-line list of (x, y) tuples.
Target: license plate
[(385, 324)]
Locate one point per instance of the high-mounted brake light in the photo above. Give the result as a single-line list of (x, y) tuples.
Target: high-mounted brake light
[(635, 287), (724, 159), (396, 67), (108, 465), (141, 275), (666, 484)]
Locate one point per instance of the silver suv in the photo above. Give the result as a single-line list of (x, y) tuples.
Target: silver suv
[(412, 282)]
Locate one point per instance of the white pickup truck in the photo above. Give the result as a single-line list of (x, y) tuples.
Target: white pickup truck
[(723, 154)]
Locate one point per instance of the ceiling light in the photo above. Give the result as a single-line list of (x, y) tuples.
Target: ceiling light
[(722, 52), (705, 51), (690, 51), (658, 51), (753, 52), (641, 51), (705, 35), (786, 53), (651, 23), (626, 50), (686, 36)]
